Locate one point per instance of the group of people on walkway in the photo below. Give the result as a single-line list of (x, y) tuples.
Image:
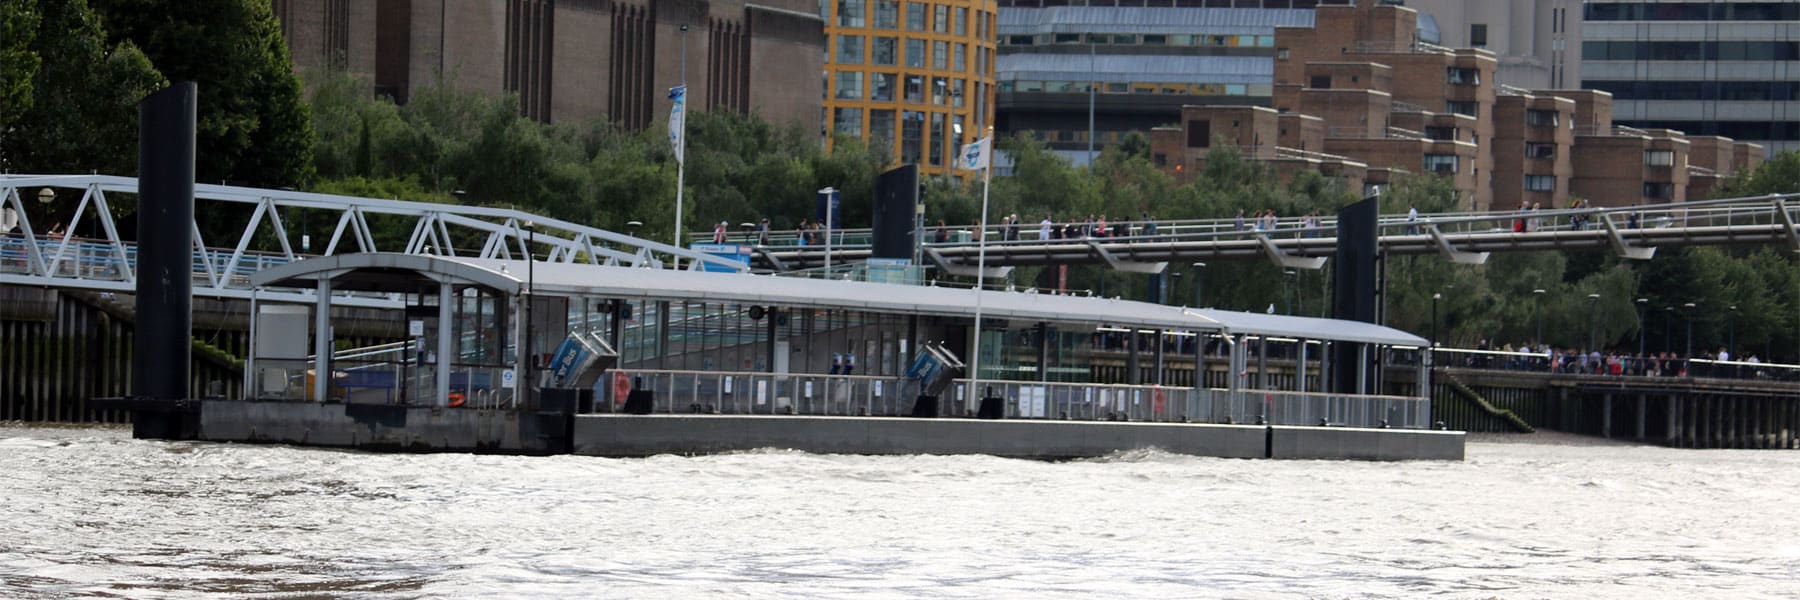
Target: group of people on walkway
[(1544, 357)]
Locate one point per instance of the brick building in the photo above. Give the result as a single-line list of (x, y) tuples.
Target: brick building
[(575, 59), (1388, 102)]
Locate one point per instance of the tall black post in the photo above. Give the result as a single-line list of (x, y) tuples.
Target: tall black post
[(1353, 295), (165, 257)]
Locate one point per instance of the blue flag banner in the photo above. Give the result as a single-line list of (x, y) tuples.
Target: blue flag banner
[(677, 116)]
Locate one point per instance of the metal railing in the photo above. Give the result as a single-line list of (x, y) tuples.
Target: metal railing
[(712, 392)]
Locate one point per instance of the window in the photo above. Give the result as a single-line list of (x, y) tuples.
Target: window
[(1540, 150), (886, 51), (1281, 54), (960, 61), (850, 50), (940, 87), (915, 16), (1124, 40), (849, 85), (957, 89), (915, 89), (881, 129), (915, 53), (1659, 158), (1019, 40), (881, 87), (940, 55), (1439, 132), (941, 19), (936, 156), (1540, 118), (912, 130), (962, 22), (1156, 40), (1660, 191), (1441, 163), (848, 122), (1461, 108), (1462, 76), (1540, 183), (887, 14), (850, 13), (1321, 82), (1199, 133), (1067, 38), (1478, 35)]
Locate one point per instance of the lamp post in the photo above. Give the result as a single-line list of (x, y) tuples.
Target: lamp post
[(1199, 284), (631, 227), (1731, 332), (1690, 330), (1668, 319), (45, 197), (1539, 294), (1593, 321), (528, 346), (1434, 317), (1642, 304)]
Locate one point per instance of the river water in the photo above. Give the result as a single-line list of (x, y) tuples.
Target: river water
[(93, 513)]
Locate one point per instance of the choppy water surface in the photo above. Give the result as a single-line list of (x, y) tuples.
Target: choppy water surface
[(90, 512)]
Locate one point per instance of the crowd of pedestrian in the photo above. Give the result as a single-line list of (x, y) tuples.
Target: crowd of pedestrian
[(1547, 358)]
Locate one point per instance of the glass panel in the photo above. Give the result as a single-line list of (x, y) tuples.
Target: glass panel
[(941, 21), (915, 16), (938, 138), (887, 14), (957, 89), (881, 87), (915, 89), (850, 50), (849, 85), (940, 86), (960, 61), (848, 122), (850, 13), (912, 126), (881, 131), (940, 55), (885, 52), (962, 21), (915, 53)]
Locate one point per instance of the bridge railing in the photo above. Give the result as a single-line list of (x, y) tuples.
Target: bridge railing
[(1609, 365), (741, 393)]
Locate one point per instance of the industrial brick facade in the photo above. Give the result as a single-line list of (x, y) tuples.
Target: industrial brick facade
[(569, 60)]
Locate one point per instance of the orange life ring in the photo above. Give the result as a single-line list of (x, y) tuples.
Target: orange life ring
[(457, 400)]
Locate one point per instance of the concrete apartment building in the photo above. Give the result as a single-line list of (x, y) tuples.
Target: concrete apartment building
[(575, 59), (1538, 42), (914, 77), (1717, 68), (1390, 103)]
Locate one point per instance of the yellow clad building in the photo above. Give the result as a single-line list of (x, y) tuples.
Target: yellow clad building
[(916, 77)]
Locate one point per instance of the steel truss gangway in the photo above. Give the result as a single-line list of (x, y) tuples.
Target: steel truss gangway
[(104, 258), (1633, 232)]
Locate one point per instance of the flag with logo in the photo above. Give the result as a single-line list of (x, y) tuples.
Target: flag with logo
[(976, 155), (677, 114)]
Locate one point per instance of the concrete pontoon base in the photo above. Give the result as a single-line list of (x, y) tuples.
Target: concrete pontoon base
[(633, 435)]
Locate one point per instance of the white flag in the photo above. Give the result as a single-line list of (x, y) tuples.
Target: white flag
[(677, 116), (976, 155)]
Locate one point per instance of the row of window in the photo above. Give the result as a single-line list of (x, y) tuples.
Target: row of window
[(1785, 131), (914, 90), (1173, 3), (926, 137), (1698, 90), (1693, 11), (918, 16), (1132, 39), (1187, 89), (1632, 50), (886, 52)]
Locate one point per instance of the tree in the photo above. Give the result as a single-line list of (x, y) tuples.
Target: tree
[(253, 125), (83, 111), (18, 62)]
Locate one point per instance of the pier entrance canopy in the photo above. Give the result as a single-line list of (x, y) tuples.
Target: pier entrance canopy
[(670, 320)]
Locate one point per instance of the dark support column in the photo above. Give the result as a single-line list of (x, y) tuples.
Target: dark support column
[(165, 259), (615, 333), (1642, 408), (1262, 363), (1606, 416), (1043, 351), (1161, 366), (771, 318), (1131, 357), (1199, 360)]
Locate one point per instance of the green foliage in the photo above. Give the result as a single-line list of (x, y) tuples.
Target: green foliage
[(18, 62), (253, 125), (82, 116), (1780, 175)]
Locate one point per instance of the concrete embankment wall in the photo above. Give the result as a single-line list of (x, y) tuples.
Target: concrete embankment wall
[(624, 435), (373, 427)]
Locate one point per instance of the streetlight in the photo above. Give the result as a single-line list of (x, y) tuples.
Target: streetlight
[(1668, 318), (45, 197), (1434, 317), (1539, 294), (530, 295), (1199, 284), (1642, 303), (632, 227), (1690, 327), (1731, 335), (1593, 321), (749, 232)]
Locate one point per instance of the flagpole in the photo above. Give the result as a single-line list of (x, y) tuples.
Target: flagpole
[(681, 150), (987, 175)]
